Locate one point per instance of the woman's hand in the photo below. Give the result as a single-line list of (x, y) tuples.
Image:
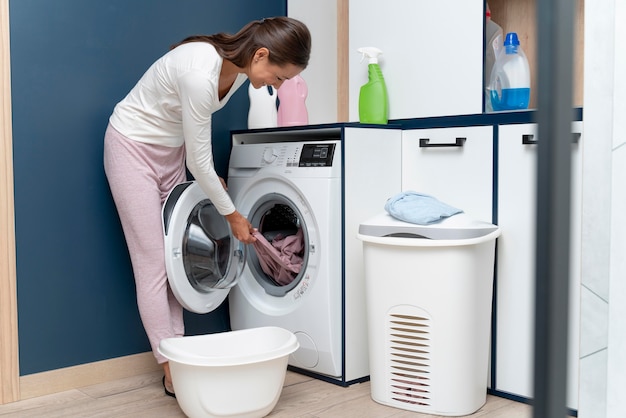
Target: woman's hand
[(242, 229)]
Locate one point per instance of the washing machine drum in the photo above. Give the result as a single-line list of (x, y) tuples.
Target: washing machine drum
[(202, 258)]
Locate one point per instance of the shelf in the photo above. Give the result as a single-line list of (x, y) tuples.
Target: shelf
[(520, 16)]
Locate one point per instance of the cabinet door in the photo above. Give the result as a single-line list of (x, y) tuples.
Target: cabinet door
[(452, 164), (432, 55), (371, 175), (516, 261)]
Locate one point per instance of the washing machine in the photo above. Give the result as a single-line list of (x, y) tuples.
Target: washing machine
[(313, 185)]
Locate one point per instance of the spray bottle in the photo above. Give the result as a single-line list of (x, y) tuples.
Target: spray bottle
[(373, 100)]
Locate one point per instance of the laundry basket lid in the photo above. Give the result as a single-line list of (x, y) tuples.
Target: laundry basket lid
[(457, 227)]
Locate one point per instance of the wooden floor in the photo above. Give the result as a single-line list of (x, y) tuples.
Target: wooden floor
[(302, 397)]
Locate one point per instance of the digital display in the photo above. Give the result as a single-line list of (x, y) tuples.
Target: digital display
[(317, 155)]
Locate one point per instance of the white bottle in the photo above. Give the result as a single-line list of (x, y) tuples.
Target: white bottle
[(263, 112), (509, 87), (494, 39)]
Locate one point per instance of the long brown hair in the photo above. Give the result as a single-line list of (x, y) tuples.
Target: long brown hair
[(288, 40)]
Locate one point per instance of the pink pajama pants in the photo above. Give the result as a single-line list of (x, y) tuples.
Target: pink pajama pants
[(140, 177)]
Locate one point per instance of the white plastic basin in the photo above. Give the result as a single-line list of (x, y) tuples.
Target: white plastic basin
[(238, 374)]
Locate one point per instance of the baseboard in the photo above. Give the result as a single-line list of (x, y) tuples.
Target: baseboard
[(60, 380)]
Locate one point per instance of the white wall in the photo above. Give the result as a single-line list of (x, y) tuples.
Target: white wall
[(603, 335), (616, 362), (596, 228), (321, 74)]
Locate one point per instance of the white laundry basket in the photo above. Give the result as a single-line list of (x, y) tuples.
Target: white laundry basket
[(429, 295), (237, 374)]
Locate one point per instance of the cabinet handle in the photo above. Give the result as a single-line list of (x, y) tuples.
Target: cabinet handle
[(528, 139), (425, 143)]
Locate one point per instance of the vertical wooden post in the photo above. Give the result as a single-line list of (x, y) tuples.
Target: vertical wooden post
[(343, 67), (9, 370)]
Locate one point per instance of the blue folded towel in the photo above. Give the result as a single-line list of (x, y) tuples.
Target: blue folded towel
[(418, 208)]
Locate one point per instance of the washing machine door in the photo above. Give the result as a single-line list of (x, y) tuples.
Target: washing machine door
[(202, 258)]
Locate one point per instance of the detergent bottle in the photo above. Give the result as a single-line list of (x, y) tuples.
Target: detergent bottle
[(292, 96), (510, 78), (494, 38), (373, 99), (263, 112)]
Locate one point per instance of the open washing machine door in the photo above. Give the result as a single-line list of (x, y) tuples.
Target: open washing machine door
[(202, 258)]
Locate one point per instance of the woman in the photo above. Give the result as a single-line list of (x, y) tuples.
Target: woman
[(164, 122)]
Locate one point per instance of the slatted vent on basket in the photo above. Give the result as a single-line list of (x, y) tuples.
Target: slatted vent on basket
[(409, 349)]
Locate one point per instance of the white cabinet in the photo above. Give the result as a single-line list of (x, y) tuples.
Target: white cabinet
[(369, 179), (455, 165), (432, 55), (516, 260)]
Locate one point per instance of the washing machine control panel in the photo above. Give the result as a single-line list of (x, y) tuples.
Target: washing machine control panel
[(285, 156), (316, 155)]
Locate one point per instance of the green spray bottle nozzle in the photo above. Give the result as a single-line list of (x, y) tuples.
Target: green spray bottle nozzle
[(371, 52)]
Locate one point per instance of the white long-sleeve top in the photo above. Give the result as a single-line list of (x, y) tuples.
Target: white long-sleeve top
[(172, 105)]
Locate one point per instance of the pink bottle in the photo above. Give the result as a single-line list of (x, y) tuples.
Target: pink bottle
[(292, 96)]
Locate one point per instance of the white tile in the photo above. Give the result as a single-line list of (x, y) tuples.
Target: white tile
[(592, 401), (616, 363), (594, 322), (596, 222)]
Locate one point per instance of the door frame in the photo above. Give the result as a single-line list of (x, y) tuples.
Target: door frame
[(9, 366)]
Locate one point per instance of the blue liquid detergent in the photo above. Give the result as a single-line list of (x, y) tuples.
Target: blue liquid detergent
[(511, 99)]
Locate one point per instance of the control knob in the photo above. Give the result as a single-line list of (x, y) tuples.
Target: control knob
[(269, 155)]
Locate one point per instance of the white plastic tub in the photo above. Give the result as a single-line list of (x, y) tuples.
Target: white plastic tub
[(238, 374)]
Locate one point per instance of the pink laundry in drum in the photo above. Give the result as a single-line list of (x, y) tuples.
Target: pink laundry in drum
[(280, 259)]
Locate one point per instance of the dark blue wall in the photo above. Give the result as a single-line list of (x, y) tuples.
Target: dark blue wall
[(71, 62)]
